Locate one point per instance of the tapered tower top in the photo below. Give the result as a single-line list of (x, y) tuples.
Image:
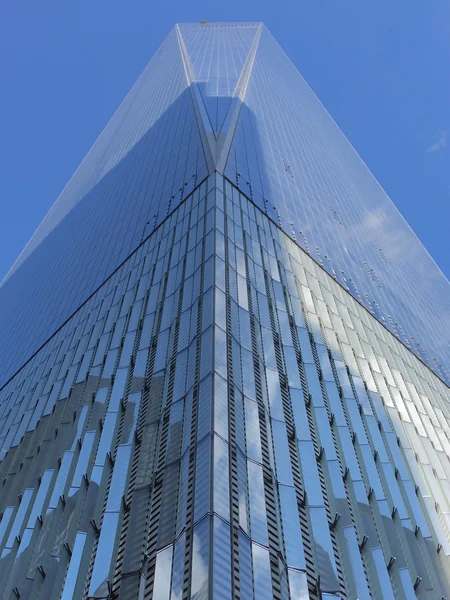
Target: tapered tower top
[(224, 97)]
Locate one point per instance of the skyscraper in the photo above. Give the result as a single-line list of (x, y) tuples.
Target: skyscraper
[(223, 356)]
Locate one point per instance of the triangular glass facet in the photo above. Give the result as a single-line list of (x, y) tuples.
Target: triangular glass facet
[(217, 54)]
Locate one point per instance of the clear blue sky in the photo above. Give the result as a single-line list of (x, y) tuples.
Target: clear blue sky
[(380, 68)]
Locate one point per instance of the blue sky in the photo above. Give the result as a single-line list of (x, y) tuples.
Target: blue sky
[(380, 68)]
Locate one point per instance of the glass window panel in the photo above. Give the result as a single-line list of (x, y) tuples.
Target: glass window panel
[(248, 375), (178, 569), (285, 327), (207, 354), (192, 361), (25, 540), (61, 479), (221, 407), (252, 431), (383, 574), (282, 456), (37, 414), (245, 566), (362, 395), (131, 418), (291, 528), (180, 375), (101, 395), (20, 516), (81, 423), (245, 334), (83, 458), (274, 393), (324, 549), (242, 491), (416, 508), (310, 473), (84, 366), (40, 498), (220, 309), (356, 564), (74, 566), (100, 353), (237, 371), (258, 519), (399, 403), (393, 487), (119, 478), (377, 440), (234, 313), (207, 309), (163, 571), (314, 385), (173, 446), (300, 415), (292, 367), (343, 378), (202, 479), (261, 573), (356, 422), (118, 332), (167, 314), (374, 478), (298, 585), (405, 578), (107, 435), (118, 389), (242, 292), (99, 585), (221, 478), (220, 352), (200, 561), (7, 514), (127, 349), (54, 395), (349, 453), (161, 351), (187, 421), (220, 273), (269, 350), (232, 274), (183, 334), (204, 408), (305, 345), (416, 418), (221, 560), (182, 493), (326, 437)]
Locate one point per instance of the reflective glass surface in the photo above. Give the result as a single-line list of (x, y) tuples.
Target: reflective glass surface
[(217, 56), (148, 158), (290, 157), (252, 407), (233, 96), (221, 418)]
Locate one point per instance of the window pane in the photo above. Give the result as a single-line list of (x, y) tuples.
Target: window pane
[(163, 570), (200, 561)]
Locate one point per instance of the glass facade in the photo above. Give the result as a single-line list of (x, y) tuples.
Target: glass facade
[(289, 156), (212, 414), (148, 158)]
